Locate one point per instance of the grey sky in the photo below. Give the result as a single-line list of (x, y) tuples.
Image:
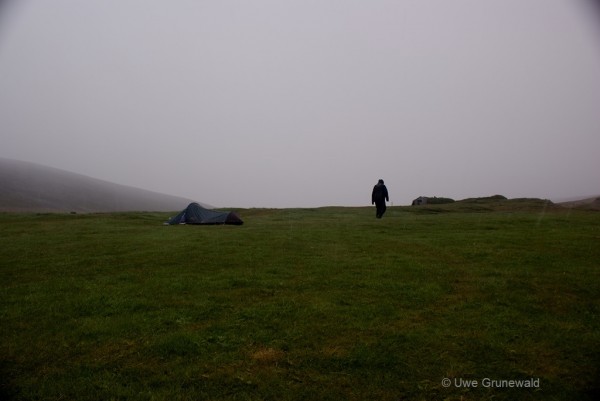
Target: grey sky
[(307, 102)]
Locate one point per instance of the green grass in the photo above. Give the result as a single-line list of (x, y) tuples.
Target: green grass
[(302, 304)]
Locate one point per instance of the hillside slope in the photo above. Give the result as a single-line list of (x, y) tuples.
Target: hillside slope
[(30, 187), (592, 203)]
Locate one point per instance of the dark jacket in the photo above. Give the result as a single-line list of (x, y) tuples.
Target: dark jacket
[(380, 193)]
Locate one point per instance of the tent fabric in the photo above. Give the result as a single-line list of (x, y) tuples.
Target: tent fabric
[(196, 214)]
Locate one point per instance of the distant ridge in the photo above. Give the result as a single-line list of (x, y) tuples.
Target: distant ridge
[(592, 203), (30, 187)]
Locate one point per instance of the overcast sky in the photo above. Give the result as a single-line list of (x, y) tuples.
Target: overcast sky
[(286, 103)]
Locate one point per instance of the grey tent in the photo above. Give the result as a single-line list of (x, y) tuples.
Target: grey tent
[(421, 200), (196, 214)]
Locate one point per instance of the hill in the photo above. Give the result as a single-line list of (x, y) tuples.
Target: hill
[(488, 204), (592, 203), (30, 187)]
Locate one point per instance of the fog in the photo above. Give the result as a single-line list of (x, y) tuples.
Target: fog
[(303, 103)]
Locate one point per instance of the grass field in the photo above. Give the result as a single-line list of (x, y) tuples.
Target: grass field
[(303, 304)]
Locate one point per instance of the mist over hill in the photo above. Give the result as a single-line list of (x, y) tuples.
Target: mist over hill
[(30, 187), (592, 203)]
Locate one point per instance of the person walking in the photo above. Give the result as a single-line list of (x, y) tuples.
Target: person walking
[(378, 198)]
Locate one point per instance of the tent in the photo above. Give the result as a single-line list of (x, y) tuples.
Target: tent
[(196, 214), (421, 200)]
